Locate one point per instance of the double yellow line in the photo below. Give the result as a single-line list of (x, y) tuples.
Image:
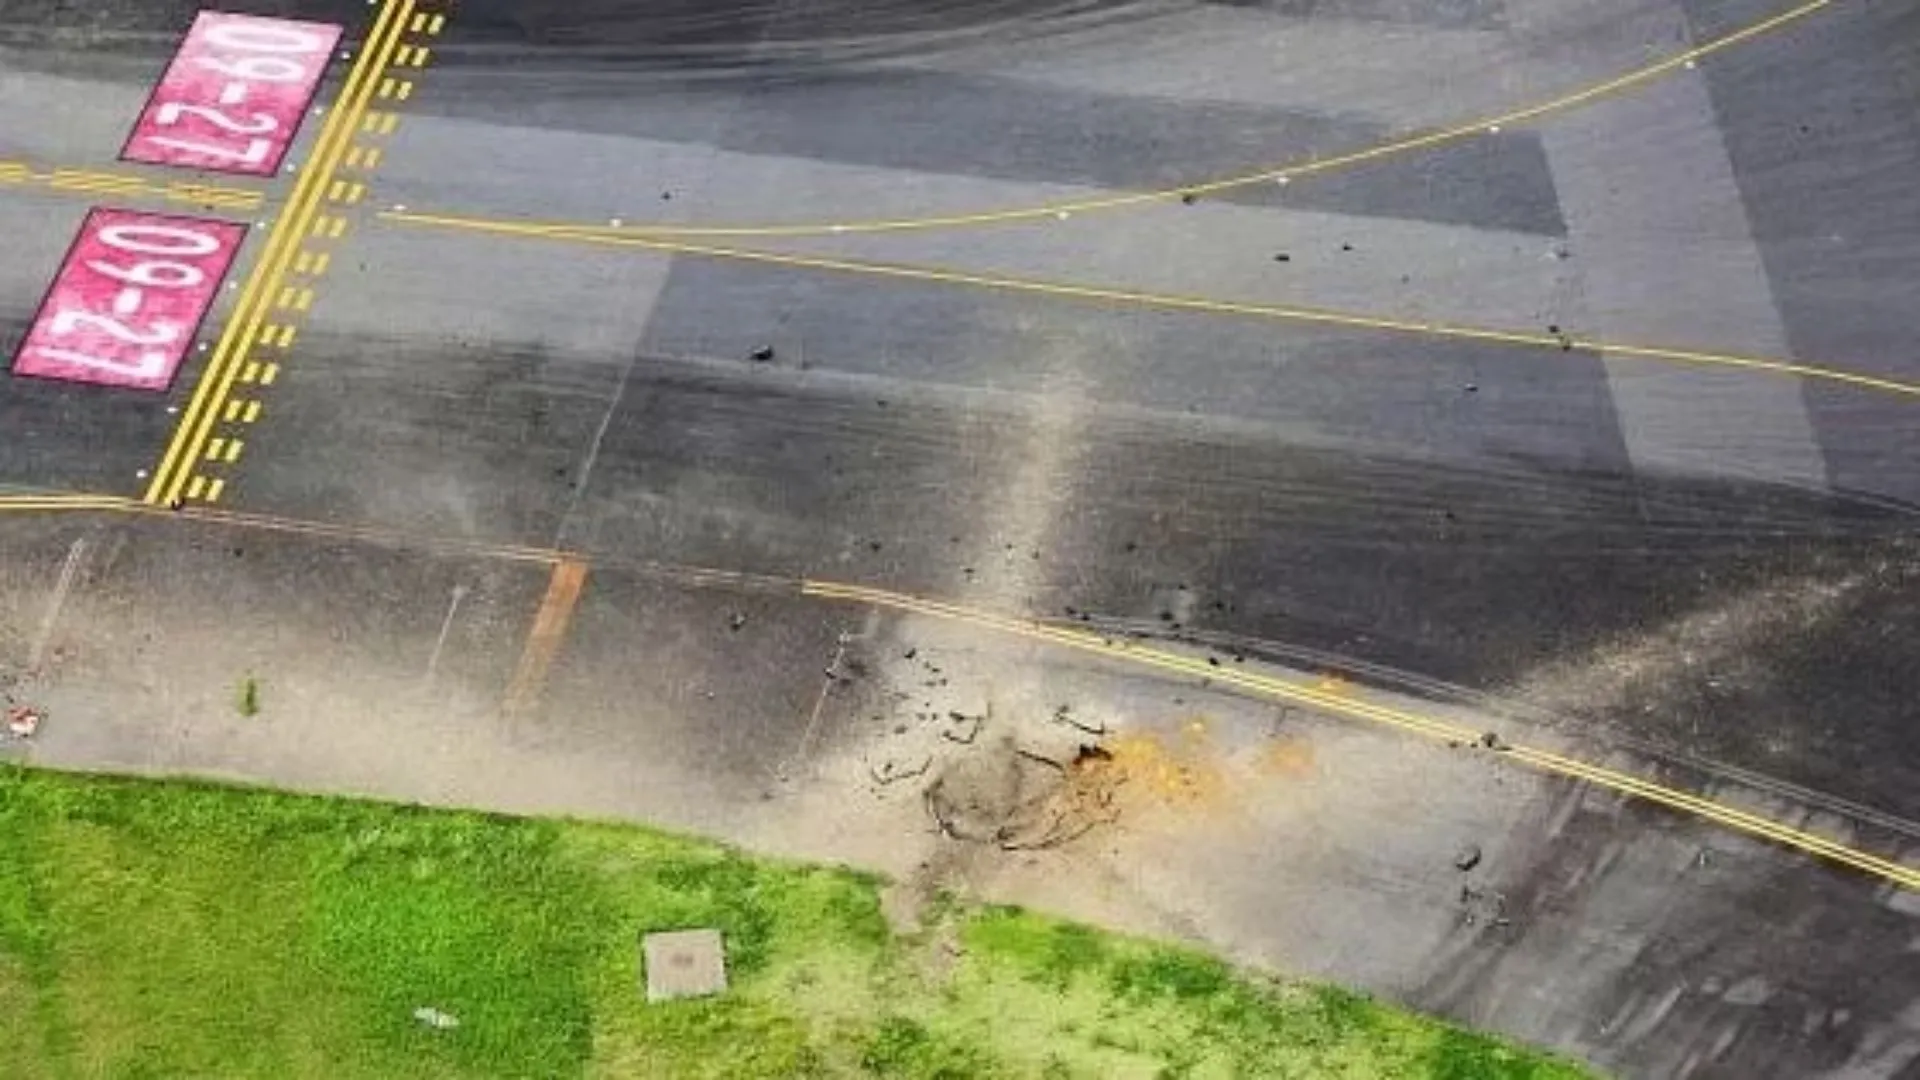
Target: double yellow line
[(1347, 705), (264, 282)]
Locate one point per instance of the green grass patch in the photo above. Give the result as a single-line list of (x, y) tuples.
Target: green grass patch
[(159, 929)]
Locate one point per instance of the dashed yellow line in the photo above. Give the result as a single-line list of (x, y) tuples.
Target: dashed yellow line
[(1176, 302)]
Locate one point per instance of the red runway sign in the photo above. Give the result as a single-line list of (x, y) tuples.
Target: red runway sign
[(125, 305), (233, 97)]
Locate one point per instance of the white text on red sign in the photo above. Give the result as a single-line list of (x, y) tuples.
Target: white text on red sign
[(125, 305), (234, 95)]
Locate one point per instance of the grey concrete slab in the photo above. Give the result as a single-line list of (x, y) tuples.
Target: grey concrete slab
[(1663, 251), (1819, 125)]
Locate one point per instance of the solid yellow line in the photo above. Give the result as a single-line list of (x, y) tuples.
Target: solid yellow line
[(1673, 798), (281, 244), (1175, 302), (1283, 173)]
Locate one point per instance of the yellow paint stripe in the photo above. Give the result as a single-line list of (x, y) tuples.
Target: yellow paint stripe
[(268, 373), (320, 263), (251, 414), (233, 410), (1175, 302), (215, 489), (434, 25), (196, 487), (215, 383), (214, 448), (543, 641)]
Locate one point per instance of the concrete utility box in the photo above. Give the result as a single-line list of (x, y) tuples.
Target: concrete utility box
[(684, 963)]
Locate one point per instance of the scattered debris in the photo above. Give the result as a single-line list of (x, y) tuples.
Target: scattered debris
[(735, 621), (23, 721), (1189, 198), (1491, 740), (968, 730), (761, 354), (1467, 857), (249, 703), (435, 1018), (1064, 715), (890, 771), (1282, 257), (1471, 388)]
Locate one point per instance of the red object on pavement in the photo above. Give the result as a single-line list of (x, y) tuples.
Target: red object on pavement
[(233, 98), (124, 307), (22, 722)]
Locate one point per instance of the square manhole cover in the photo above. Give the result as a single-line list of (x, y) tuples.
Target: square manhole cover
[(684, 963)]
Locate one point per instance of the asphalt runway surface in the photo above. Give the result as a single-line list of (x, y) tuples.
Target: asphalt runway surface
[(861, 290)]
